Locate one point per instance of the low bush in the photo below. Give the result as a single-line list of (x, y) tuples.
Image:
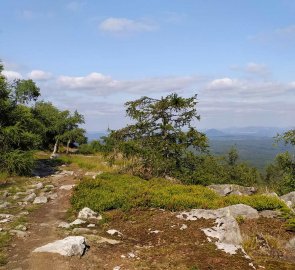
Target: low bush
[(114, 191), (17, 162)]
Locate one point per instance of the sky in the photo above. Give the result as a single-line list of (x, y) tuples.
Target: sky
[(95, 55)]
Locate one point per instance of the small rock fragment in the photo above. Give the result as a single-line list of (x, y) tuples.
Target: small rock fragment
[(86, 213), (66, 187), (40, 200)]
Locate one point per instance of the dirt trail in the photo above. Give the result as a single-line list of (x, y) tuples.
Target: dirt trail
[(42, 229)]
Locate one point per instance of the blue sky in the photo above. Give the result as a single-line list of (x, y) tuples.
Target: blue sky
[(95, 55)]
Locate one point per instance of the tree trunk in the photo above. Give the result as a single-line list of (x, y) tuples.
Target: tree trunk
[(68, 146), (55, 147)]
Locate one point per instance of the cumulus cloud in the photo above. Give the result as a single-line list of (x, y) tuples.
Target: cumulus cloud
[(253, 69), (103, 85), (124, 25), (11, 75), (39, 75)]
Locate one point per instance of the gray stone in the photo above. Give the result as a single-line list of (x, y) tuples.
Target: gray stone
[(54, 156), (69, 173), (291, 244), (21, 228), (69, 246), (114, 232), (18, 233), (231, 189), (52, 196), (66, 187), (4, 205), (289, 199), (270, 213), (242, 210), (40, 200), (64, 225), (30, 198), (82, 231), (93, 174), (86, 213), (5, 194), (39, 186), (77, 222)]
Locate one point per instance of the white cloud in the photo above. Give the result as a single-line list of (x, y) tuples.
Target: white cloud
[(259, 69), (105, 85), (223, 84), (39, 75), (124, 25), (11, 75)]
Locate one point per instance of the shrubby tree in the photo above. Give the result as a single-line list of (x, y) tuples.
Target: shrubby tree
[(162, 133)]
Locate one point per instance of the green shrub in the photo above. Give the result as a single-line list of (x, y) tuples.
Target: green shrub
[(113, 191), (17, 162)]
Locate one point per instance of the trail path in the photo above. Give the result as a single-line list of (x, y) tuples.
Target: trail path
[(42, 226)]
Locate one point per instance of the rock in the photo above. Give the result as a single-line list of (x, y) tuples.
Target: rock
[(69, 173), (93, 174), (5, 194), (230, 189), (54, 156), (117, 268), (18, 233), (30, 198), (77, 222), (64, 225), (243, 210), (131, 255), (5, 220), (289, 199), (91, 225), (291, 244), (100, 240), (21, 228), (226, 233), (4, 205), (183, 227), (69, 246), (52, 196), (270, 213), (82, 231), (40, 200), (39, 186), (49, 186), (86, 213), (66, 187), (114, 232)]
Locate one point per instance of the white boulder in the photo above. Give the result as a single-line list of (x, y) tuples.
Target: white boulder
[(86, 213), (40, 200), (69, 246)]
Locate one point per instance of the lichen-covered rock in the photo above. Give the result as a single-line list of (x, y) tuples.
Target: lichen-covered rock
[(289, 199), (30, 198), (231, 189), (40, 200), (69, 246), (86, 213), (240, 210)]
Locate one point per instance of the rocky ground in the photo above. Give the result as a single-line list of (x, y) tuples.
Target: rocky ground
[(46, 235)]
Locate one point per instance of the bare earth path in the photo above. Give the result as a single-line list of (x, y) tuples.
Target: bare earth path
[(42, 225)]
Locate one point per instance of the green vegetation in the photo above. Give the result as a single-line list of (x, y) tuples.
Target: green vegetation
[(26, 126), (114, 191)]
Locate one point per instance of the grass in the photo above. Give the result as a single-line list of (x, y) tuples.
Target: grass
[(114, 191), (92, 163), (4, 240)]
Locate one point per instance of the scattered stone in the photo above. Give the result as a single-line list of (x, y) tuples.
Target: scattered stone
[(39, 185), (100, 239), (64, 225), (52, 196), (92, 225), (289, 199), (117, 268), (4, 205), (5, 220), (82, 231), (77, 222), (86, 213), (227, 189), (18, 233), (270, 213), (183, 227), (69, 246), (131, 255), (54, 156), (155, 231), (114, 232), (5, 194), (291, 244), (21, 228), (69, 173), (49, 186), (40, 200), (30, 198), (66, 187), (23, 213)]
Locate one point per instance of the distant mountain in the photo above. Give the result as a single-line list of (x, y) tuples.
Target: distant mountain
[(95, 135), (246, 131), (214, 132)]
